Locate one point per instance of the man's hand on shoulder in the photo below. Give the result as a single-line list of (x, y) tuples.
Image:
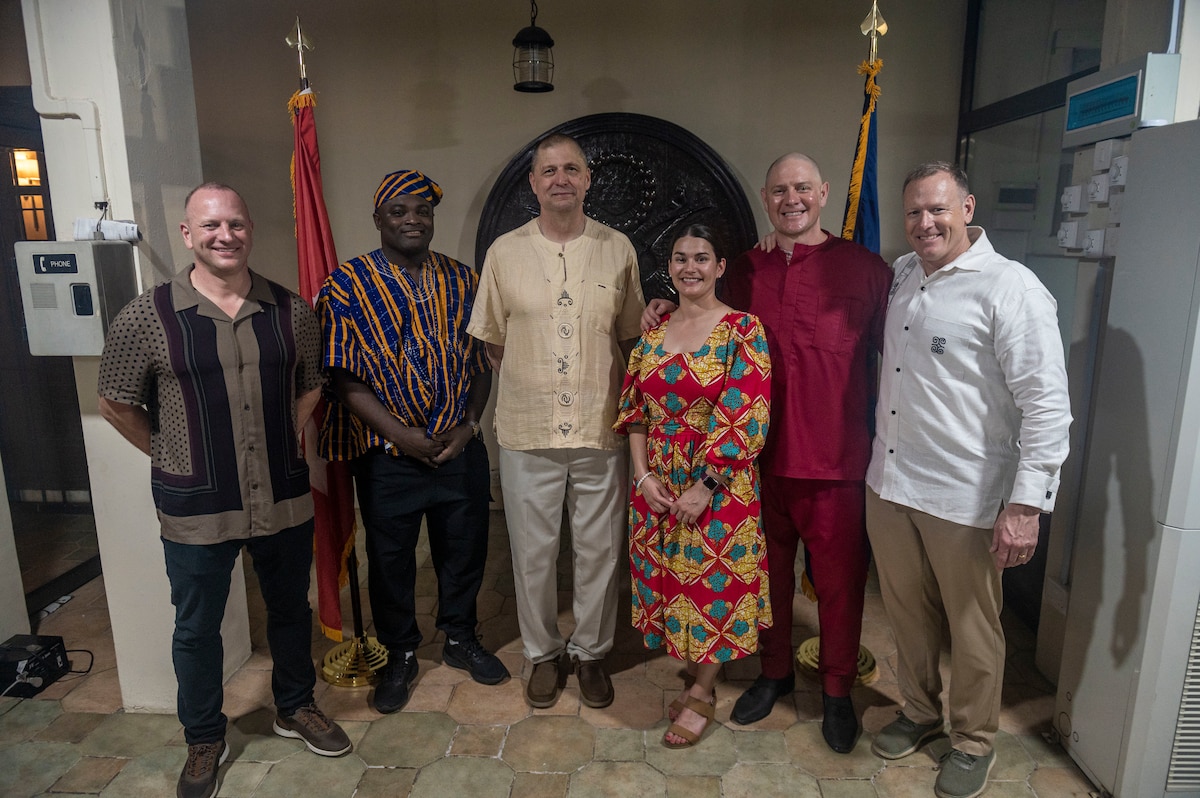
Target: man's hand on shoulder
[(1015, 535), (655, 310), (768, 242)]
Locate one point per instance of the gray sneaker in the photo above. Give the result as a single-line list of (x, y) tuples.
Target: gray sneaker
[(320, 734), (902, 737), (963, 775)]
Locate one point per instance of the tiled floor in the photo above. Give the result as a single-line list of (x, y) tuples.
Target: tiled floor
[(458, 738)]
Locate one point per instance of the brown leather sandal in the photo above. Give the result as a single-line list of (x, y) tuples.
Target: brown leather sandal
[(676, 706), (702, 708)]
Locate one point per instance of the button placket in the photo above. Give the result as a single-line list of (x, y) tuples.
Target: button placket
[(566, 315), (245, 424)]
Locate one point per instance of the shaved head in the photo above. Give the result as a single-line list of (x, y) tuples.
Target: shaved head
[(792, 156)]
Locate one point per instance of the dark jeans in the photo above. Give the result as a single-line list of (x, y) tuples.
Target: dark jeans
[(394, 494), (199, 578)]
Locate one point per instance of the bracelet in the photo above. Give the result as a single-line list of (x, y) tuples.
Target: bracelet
[(637, 486)]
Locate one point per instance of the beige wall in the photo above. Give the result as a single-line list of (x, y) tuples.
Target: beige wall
[(14, 62), (429, 86), (13, 617)]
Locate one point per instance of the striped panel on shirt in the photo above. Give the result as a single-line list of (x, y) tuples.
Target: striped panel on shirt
[(193, 355)]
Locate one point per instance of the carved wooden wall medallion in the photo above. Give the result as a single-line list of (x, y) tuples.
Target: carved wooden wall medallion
[(650, 178)]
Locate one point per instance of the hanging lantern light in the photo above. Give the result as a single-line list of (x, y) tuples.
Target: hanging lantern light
[(533, 61)]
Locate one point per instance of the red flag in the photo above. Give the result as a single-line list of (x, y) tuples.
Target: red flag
[(332, 487)]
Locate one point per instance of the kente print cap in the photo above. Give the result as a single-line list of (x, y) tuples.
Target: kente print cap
[(407, 181)]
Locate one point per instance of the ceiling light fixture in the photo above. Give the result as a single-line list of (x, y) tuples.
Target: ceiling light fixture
[(533, 61)]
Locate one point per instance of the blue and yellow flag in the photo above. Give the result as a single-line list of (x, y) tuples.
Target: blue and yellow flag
[(861, 222)]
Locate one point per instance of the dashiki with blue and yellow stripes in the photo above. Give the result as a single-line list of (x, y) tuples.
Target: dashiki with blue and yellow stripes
[(404, 337)]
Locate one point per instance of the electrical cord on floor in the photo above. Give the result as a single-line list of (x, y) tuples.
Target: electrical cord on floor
[(91, 662)]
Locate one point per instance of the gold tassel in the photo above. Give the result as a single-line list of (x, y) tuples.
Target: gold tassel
[(301, 99), (860, 152)]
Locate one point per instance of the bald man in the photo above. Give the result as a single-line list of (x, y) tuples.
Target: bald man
[(822, 300)]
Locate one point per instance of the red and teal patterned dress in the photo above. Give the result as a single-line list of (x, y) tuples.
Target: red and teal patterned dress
[(701, 588)]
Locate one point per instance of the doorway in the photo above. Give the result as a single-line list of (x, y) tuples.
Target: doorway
[(41, 434)]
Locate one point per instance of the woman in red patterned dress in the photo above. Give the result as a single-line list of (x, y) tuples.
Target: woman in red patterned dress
[(695, 406)]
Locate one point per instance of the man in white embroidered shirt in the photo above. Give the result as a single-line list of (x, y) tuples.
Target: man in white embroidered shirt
[(972, 427)]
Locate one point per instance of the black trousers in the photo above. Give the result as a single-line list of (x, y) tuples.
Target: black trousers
[(394, 495), (200, 576)]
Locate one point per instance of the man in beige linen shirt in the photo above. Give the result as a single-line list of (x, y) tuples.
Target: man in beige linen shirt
[(558, 307)]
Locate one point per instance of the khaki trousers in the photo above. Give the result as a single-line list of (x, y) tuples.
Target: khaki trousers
[(930, 568), (594, 484)]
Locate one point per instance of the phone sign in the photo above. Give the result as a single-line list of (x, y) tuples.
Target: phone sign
[(63, 263)]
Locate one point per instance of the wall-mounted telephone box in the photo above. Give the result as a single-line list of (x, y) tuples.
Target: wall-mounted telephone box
[(71, 291)]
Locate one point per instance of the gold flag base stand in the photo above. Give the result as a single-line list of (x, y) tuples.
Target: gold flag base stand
[(354, 663), (808, 655)]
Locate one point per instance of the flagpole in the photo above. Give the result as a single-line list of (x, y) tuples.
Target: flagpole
[(301, 42), (861, 193), (874, 26), (354, 662), (861, 220)]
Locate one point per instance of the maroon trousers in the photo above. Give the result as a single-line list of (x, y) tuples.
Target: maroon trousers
[(828, 516)]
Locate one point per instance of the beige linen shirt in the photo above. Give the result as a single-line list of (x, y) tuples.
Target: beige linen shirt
[(559, 311)]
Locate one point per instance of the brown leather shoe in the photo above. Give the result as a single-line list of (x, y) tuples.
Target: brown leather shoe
[(595, 688), (545, 683)]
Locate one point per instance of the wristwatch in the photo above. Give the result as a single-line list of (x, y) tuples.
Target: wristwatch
[(710, 482)]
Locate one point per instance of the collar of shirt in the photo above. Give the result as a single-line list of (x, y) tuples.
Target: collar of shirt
[(184, 295), (974, 259), (800, 251)]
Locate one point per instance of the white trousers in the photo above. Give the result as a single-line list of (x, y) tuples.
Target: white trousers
[(593, 483)]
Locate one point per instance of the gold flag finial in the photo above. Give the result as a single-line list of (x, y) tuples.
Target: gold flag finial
[(299, 42), (874, 26)]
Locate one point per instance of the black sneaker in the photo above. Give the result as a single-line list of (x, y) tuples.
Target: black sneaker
[(470, 655), (395, 679), (199, 776), (319, 733)]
